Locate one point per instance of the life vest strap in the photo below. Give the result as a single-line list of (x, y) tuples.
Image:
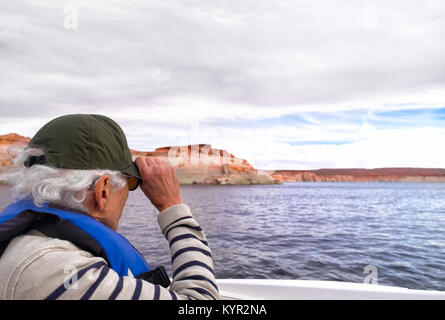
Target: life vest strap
[(156, 276)]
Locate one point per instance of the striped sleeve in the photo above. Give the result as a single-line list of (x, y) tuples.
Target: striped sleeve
[(84, 277), (191, 258)]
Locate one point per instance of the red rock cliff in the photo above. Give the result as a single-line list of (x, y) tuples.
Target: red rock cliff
[(202, 164), (6, 142), (362, 175)]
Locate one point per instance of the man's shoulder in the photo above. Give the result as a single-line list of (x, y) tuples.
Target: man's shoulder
[(35, 242), (24, 249), (36, 256)]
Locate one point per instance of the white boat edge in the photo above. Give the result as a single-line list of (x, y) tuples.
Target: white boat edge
[(271, 289)]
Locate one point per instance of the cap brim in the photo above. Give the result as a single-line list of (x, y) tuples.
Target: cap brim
[(133, 171)]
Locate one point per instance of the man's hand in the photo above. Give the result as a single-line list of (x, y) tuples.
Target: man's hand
[(159, 182)]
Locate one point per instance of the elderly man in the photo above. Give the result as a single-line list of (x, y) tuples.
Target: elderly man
[(59, 239)]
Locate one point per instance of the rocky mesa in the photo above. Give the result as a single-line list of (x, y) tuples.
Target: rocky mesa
[(202, 164), (8, 141)]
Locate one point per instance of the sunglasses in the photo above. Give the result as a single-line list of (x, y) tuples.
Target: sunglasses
[(133, 183)]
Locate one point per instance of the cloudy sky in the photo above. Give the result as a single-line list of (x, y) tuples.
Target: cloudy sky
[(284, 84)]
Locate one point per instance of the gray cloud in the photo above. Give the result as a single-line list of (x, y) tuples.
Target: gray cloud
[(259, 53)]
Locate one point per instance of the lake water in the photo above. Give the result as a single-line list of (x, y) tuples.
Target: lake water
[(317, 231)]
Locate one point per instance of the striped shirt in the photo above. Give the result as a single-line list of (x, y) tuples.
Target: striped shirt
[(34, 266)]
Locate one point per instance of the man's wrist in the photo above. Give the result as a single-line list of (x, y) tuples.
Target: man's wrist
[(168, 205), (172, 214)]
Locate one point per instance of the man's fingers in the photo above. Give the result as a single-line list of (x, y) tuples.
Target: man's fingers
[(140, 163), (145, 165), (154, 161), (160, 183), (149, 161)]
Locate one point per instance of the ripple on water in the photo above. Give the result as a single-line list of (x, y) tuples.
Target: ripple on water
[(318, 231)]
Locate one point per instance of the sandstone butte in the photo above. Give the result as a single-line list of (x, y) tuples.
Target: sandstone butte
[(202, 164)]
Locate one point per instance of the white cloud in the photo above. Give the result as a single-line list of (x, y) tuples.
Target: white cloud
[(158, 68), (379, 148)]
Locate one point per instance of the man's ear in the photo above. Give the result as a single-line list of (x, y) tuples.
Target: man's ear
[(102, 191)]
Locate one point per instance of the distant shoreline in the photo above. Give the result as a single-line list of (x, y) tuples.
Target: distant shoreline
[(200, 164), (309, 182), (362, 175)]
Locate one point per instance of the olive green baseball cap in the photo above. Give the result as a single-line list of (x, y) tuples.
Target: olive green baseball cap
[(83, 142)]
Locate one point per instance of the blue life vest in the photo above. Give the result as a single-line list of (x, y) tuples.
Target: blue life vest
[(80, 229)]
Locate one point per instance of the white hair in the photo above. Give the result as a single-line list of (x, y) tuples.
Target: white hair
[(64, 187)]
